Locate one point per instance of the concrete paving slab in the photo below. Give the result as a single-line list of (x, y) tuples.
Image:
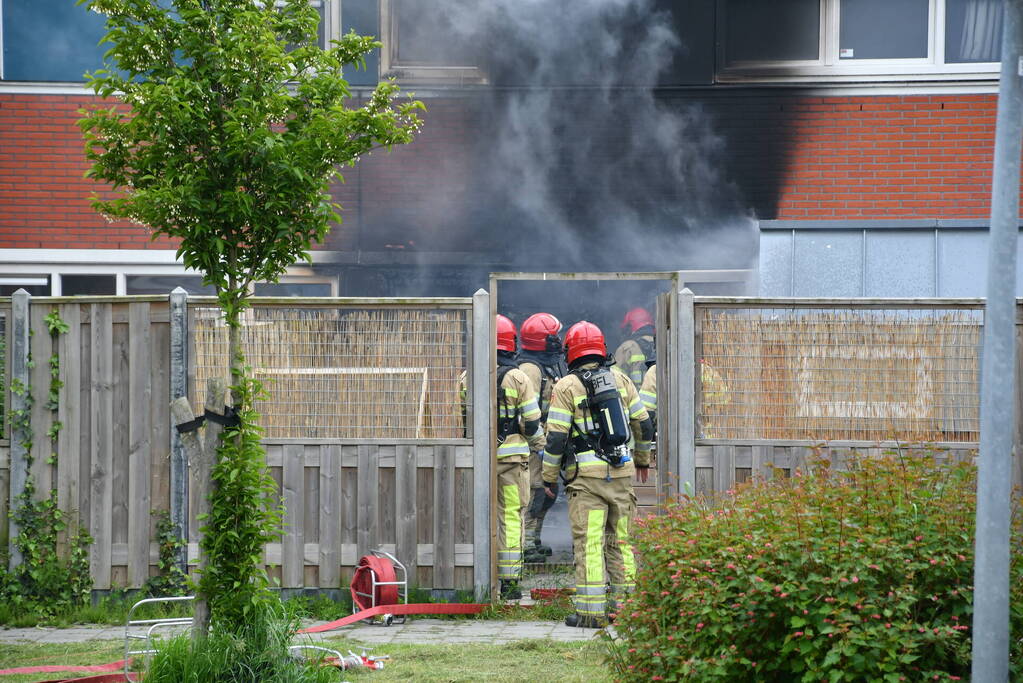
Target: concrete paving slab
[(412, 631)]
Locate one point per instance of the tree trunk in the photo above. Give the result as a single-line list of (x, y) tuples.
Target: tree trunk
[(217, 397)]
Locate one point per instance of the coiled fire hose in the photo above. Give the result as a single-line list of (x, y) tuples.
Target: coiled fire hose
[(385, 597)]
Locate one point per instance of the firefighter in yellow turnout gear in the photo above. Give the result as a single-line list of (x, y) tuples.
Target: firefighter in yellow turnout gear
[(518, 432), (592, 413), (648, 393), (633, 355), (541, 358)]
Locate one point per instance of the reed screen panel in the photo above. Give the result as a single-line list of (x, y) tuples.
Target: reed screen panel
[(370, 373), (819, 374)]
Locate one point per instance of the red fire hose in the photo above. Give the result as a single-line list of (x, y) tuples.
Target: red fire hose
[(373, 568), (103, 678)]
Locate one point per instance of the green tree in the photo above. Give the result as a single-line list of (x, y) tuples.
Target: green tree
[(222, 126)]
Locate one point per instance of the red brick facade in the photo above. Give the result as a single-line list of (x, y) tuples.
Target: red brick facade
[(869, 157), (876, 157)]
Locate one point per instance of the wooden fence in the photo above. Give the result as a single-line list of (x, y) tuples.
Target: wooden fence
[(113, 457), (100, 433), (832, 355)]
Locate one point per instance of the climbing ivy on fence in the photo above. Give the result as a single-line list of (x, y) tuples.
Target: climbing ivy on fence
[(52, 577), (171, 580)]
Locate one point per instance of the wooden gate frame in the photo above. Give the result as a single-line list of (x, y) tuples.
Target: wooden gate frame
[(675, 342)]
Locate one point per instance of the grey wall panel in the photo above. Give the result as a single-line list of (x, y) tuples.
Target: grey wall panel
[(828, 263), (776, 263), (899, 263), (962, 263)]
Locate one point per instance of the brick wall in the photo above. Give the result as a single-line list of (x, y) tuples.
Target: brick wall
[(864, 157), (44, 200), (792, 158)]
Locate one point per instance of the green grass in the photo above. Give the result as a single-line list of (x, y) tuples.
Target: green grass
[(66, 654), (112, 611), (525, 660)]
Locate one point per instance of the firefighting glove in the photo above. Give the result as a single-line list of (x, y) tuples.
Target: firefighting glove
[(552, 489)]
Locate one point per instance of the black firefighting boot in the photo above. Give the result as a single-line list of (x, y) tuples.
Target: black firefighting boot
[(536, 553), (584, 621), (510, 590)]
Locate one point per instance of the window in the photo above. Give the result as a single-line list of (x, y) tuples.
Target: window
[(57, 40), (296, 287), (49, 40), (165, 284), (874, 40), (36, 285), (421, 43), (88, 285)]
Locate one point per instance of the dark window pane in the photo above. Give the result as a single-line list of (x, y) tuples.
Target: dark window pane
[(50, 40), (883, 29), (165, 284), (427, 37), (973, 31), (363, 17), (36, 285), (80, 285), (767, 31), (292, 289)]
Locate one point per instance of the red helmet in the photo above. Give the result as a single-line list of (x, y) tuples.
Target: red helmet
[(637, 318), (540, 333), (505, 334), (584, 339)]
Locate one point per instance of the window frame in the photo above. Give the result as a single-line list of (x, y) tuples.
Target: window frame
[(829, 66), (392, 67)]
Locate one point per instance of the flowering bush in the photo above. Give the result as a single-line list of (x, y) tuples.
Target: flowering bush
[(825, 576)]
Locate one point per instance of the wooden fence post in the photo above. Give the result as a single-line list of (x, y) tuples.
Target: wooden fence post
[(481, 413), (179, 389), (19, 350), (685, 399)]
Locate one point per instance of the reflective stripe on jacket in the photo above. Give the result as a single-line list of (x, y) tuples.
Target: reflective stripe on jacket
[(520, 397)]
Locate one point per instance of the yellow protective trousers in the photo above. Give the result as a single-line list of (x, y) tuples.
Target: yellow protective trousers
[(601, 513), (534, 525), (512, 498)]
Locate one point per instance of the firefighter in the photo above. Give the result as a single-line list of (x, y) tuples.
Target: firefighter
[(540, 357), (518, 432), (648, 391), (631, 355), (593, 410)]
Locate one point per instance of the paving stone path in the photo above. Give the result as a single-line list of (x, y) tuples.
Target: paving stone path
[(414, 630)]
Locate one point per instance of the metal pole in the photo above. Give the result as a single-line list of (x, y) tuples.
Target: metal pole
[(479, 393), (179, 388), (20, 389), (684, 398), (991, 568)]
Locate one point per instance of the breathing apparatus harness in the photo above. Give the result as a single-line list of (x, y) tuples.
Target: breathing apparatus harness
[(646, 344), (609, 433), (511, 424), (551, 370)]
